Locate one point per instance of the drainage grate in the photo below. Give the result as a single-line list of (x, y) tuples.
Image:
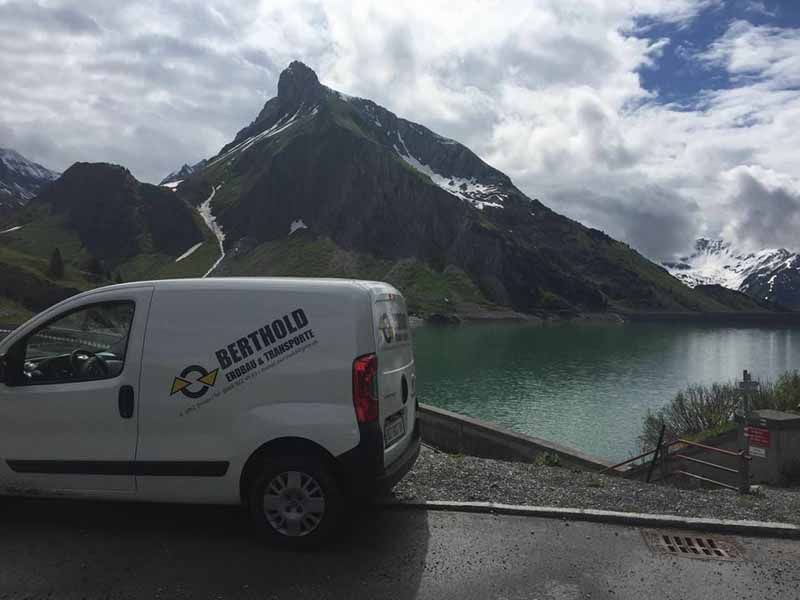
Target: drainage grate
[(692, 545)]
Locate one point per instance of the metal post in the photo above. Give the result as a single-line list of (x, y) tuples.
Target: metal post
[(744, 472), (659, 450), (747, 386)]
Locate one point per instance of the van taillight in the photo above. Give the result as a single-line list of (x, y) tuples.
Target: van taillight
[(365, 388)]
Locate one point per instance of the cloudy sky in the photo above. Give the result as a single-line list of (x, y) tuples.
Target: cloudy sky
[(654, 120)]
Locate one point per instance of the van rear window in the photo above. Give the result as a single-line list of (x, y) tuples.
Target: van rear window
[(394, 327)]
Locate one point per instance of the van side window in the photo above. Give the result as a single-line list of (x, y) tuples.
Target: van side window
[(86, 344)]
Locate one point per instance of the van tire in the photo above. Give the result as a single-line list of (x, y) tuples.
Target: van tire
[(297, 486)]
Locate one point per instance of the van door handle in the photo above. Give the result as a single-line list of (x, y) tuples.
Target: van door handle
[(126, 401)]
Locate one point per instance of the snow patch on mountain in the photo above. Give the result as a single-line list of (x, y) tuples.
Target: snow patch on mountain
[(189, 252), (211, 222), (280, 126), (173, 185), (296, 225), (478, 194)]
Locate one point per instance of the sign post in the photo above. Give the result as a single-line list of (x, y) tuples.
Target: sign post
[(747, 387)]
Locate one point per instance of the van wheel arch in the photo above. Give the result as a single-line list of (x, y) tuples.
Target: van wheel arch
[(286, 446)]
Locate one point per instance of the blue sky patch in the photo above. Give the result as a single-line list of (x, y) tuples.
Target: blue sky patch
[(678, 76)]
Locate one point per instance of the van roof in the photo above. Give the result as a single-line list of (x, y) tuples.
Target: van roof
[(244, 283)]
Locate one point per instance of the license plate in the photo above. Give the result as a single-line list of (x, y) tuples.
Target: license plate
[(393, 429)]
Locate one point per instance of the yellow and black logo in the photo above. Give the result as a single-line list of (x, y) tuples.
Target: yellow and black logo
[(186, 383), (386, 327)]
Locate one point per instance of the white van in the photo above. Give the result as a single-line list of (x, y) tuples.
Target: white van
[(287, 395)]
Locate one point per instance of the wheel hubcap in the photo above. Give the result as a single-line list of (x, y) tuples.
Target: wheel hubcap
[(294, 503)]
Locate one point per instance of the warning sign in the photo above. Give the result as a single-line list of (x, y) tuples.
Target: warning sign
[(758, 436)]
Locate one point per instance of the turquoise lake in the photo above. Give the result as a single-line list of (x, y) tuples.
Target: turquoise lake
[(587, 385)]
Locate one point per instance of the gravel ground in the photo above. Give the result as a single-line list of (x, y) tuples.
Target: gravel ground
[(440, 476)]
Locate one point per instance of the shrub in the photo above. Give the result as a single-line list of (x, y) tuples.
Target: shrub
[(786, 392), (703, 410), (547, 459)]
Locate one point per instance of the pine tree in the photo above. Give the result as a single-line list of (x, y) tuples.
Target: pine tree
[(56, 267)]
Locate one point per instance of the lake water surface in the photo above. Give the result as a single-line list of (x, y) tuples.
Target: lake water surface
[(587, 385)]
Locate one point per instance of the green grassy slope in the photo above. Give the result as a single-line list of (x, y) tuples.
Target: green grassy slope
[(304, 255), (12, 313), (735, 300), (27, 287)]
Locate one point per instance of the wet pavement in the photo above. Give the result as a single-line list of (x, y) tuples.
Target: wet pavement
[(73, 549)]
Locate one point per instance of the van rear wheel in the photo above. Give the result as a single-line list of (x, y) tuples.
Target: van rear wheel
[(295, 502)]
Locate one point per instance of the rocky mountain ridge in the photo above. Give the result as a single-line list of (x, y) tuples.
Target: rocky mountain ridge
[(21, 178), (176, 177), (322, 184), (115, 216), (372, 187)]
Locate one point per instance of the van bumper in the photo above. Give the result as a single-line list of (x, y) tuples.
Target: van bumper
[(362, 469)]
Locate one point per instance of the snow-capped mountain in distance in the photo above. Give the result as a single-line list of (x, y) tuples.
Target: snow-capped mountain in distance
[(20, 178), (772, 274), (719, 262)]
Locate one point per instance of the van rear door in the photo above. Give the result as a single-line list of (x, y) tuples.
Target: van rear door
[(396, 370)]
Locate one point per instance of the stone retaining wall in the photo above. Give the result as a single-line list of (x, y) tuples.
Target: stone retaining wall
[(459, 434)]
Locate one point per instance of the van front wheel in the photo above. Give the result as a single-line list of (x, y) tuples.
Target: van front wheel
[(295, 502)]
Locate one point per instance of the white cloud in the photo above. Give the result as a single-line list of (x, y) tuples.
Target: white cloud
[(548, 92), (759, 8), (763, 206), (767, 54)]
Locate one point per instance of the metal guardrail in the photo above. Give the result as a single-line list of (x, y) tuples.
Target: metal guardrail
[(69, 336), (663, 451)]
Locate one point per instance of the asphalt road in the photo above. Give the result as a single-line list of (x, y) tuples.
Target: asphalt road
[(72, 549)]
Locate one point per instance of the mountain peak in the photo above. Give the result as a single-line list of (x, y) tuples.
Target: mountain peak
[(117, 217), (185, 171), (20, 178), (711, 246), (297, 84), (97, 169)]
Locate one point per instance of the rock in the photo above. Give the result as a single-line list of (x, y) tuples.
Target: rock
[(442, 319), (414, 321)]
